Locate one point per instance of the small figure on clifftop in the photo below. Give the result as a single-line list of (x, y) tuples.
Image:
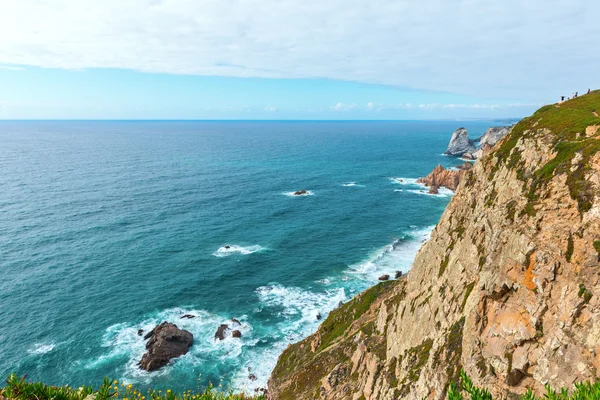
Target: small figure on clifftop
[(562, 98), (588, 91)]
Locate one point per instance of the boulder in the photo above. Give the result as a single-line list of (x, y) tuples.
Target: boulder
[(221, 331), (384, 277), (300, 192), (140, 332), (319, 316), (460, 143), (188, 316), (398, 274), (236, 334), (167, 342), (433, 189), (235, 322)]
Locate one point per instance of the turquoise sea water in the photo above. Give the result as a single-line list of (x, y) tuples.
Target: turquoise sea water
[(111, 227)]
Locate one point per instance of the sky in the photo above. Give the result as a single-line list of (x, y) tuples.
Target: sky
[(293, 59)]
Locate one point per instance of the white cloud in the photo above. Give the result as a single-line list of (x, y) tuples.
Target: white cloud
[(484, 48), (271, 109), (343, 107)]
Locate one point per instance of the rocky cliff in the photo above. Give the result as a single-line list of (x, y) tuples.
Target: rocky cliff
[(507, 288)]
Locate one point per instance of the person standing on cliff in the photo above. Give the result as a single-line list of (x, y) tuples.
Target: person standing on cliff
[(588, 91), (562, 98)]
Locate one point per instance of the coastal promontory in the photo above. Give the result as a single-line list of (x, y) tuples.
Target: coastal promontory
[(506, 289)]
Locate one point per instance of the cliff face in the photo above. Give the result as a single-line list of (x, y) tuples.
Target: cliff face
[(508, 286)]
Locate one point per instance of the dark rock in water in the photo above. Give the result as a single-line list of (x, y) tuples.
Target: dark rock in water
[(221, 331), (236, 334), (167, 342), (149, 334), (300, 192), (188, 316), (398, 274), (227, 247), (252, 377), (384, 277), (341, 303), (236, 322), (514, 377), (140, 332), (319, 316), (433, 189)]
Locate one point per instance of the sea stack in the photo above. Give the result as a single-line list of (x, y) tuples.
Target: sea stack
[(460, 143)]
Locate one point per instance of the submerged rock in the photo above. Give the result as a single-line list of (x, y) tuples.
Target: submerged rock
[(236, 334), (188, 316), (140, 332), (460, 143), (167, 342), (300, 192)]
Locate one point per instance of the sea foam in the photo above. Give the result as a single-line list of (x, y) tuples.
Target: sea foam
[(229, 250)]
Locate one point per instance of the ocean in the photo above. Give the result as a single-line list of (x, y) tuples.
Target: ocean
[(108, 227)]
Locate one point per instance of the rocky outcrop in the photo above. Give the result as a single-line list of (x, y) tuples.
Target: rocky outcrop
[(167, 341), (507, 288), (222, 331), (493, 135), (441, 177), (460, 143)]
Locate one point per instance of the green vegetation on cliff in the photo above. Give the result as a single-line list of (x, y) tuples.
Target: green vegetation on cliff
[(573, 141), (581, 391), (19, 389)]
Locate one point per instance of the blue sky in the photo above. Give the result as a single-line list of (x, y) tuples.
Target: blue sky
[(268, 59)]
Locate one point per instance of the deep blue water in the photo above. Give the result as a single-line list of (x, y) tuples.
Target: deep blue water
[(111, 227)]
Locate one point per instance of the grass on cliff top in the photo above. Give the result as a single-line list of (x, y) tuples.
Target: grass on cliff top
[(567, 123), (581, 391), (19, 389)]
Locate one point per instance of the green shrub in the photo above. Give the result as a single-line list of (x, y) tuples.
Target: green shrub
[(581, 391), (19, 389)]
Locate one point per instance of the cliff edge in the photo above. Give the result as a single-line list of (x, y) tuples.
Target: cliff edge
[(507, 288)]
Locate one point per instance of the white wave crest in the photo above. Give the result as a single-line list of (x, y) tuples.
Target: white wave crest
[(41, 348), (442, 192), (405, 181), (352, 184), (229, 250), (397, 256)]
